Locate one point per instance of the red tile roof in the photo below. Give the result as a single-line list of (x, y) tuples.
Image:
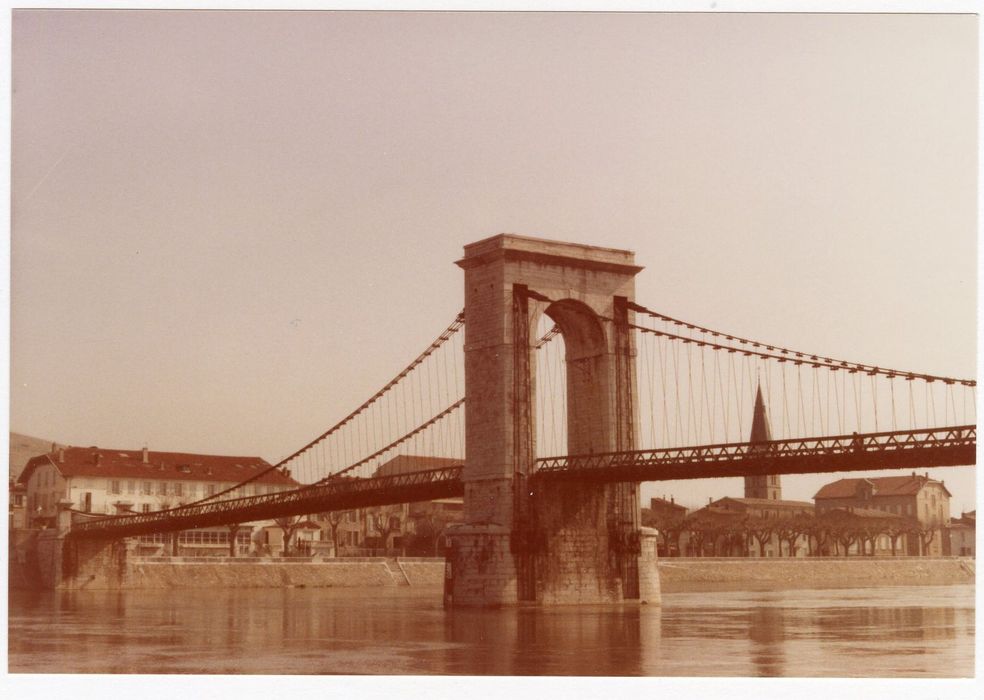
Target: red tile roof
[(180, 466), (863, 513), (769, 502), (724, 505), (663, 503), (908, 485), (405, 464)]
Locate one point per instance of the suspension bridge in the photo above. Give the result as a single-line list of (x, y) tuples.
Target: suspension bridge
[(555, 393)]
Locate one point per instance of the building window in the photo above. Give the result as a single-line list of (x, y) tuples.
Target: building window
[(147, 488), (114, 486), (193, 490), (209, 489), (161, 488), (145, 508), (131, 486), (179, 489)]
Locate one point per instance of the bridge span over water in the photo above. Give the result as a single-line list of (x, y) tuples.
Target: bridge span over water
[(557, 357)]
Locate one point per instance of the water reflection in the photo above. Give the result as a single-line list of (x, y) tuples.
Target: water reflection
[(905, 632), (595, 641), (765, 630)]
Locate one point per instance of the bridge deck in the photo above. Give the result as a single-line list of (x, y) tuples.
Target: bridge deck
[(336, 494), (940, 447)]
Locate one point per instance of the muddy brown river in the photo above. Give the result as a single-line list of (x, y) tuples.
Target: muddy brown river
[(891, 632)]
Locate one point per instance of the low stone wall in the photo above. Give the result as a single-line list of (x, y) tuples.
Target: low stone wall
[(22, 553), (36, 561), (187, 572), (423, 571), (677, 575)]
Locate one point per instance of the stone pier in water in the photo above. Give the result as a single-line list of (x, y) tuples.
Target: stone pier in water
[(522, 539)]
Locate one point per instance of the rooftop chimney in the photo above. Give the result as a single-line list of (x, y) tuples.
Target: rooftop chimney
[(61, 455), (53, 447), (671, 499), (146, 456), (95, 458)]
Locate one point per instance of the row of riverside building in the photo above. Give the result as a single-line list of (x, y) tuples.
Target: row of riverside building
[(93, 481), (911, 498), (98, 481)]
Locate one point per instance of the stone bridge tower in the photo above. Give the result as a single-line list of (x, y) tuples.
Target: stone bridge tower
[(554, 542)]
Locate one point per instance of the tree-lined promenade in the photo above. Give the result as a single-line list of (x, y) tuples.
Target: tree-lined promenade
[(838, 532)]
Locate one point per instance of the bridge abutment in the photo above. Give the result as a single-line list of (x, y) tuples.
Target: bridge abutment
[(530, 540), (65, 562)]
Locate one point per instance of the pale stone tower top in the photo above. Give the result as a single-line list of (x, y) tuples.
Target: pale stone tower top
[(512, 246)]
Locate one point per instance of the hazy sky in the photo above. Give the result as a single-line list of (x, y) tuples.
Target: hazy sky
[(231, 228)]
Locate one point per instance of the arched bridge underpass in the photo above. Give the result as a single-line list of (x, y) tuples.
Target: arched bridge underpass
[(941, 447)]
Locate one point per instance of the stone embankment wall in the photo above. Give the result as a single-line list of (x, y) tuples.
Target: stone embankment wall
[(35, 563), (744, 574), (185, 572)]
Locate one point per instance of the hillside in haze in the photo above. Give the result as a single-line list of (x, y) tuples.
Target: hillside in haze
[(22, 448)]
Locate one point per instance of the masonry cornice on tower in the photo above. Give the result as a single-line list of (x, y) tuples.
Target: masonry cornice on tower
[(513, 248)]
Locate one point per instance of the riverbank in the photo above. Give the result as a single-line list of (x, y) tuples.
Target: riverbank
[(373, 572), (677, 575)]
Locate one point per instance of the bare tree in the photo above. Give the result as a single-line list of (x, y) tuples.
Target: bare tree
[(386, 522), (790, 529), (669, 527), (817, 536), (716, 528), (926, 533), (288, 524), (842, 527), (423, 541), (898, 528), (334, 519), (761, 530)]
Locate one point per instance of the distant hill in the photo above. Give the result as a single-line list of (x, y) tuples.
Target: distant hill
[(22, 448)]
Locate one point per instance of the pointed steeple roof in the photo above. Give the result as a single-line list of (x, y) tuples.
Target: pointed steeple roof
[(760, 421)]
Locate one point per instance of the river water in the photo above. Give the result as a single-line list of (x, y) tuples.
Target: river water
[(873, 632)]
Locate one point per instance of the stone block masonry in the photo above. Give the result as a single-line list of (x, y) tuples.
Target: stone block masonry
[(572, 543), (156, 573), (681, 575)]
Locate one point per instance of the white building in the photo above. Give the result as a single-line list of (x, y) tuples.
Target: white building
[(108, 482)]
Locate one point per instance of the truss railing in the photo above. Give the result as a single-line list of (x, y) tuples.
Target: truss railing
[(343, 493), (938, 447)]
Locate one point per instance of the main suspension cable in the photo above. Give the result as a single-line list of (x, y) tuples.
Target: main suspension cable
[(784, 353)]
